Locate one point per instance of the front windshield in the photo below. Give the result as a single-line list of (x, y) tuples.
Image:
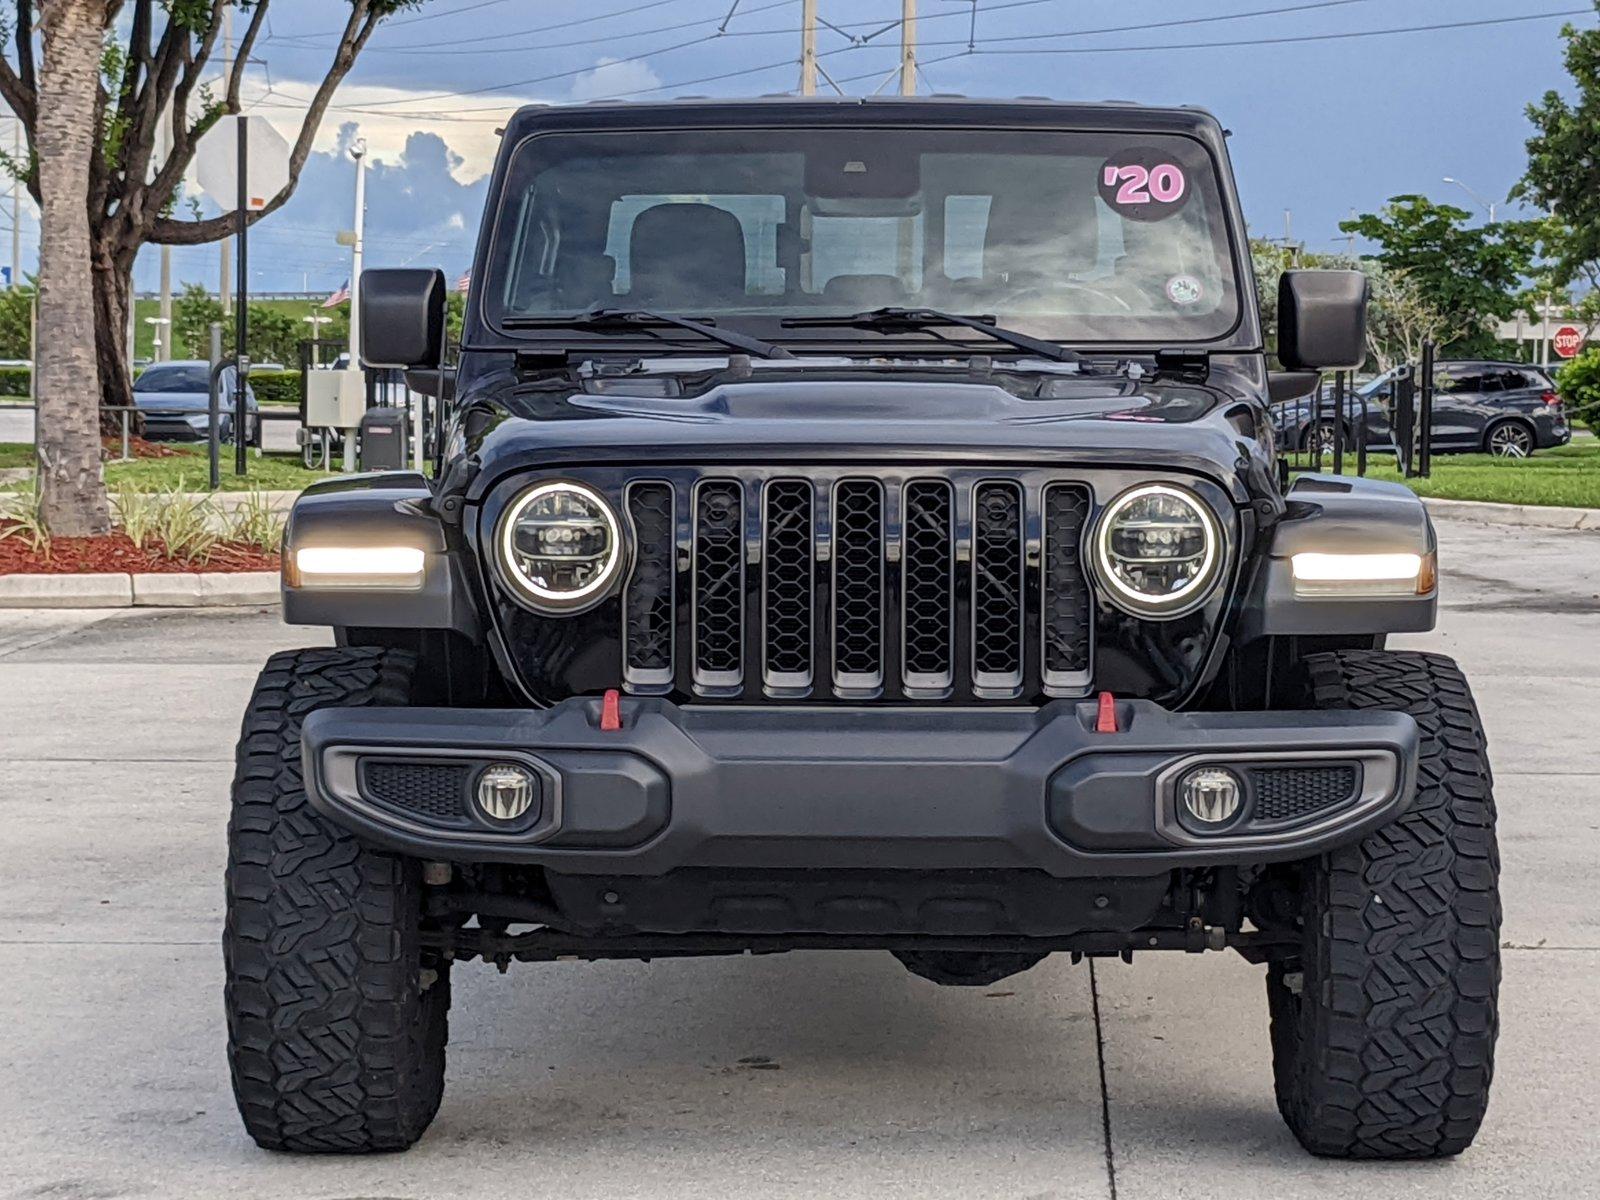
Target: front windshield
[(1078, 237), (185, 377)]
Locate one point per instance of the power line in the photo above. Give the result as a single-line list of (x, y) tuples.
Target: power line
[(1314, 4), (537, 79), (570, 24), (498, 112), (1305, 37), (500, 47)]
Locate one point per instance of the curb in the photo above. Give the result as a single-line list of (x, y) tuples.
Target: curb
[(213, 589), (1529, 516)]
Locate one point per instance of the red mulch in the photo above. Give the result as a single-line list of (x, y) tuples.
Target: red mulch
[(116, 554), (111, 447)]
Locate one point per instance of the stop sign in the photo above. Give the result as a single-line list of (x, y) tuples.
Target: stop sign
[(1568, 342)]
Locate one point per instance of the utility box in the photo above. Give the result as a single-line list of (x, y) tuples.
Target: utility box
[(383, 439), (335, 399)]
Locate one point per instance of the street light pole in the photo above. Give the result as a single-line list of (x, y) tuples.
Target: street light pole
[(1482, 201), (808, 47), (908, 47), (358, 151)]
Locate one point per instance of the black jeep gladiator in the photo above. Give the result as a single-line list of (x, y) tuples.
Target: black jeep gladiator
[(858, 525)]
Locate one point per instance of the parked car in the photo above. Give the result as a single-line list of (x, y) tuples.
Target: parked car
[(858, 526), (1502, 408), (174, 400)]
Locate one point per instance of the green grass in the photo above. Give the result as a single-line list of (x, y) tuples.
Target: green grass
[(1568, 475), (269, 472)]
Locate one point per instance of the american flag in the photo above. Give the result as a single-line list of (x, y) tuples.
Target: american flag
[(339, 297), (464, 282)]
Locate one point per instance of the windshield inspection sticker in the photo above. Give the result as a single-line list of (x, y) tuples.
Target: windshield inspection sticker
[(1142, 185), (1184, 289)]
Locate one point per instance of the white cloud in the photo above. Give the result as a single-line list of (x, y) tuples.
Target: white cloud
[(388, 116), (611, 78)]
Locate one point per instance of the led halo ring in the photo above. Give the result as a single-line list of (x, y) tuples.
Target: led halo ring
[(1142, 604), (544, 599)]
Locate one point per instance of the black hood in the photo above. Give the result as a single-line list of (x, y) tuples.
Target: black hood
[(1110, 422)]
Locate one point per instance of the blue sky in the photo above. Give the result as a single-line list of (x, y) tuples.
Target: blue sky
[(1320, 127)]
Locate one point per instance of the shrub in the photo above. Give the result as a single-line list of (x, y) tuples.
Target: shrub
[(178, 525), (14, 381), (255, 523), (1579, 382), (24, 513), (276, 387)]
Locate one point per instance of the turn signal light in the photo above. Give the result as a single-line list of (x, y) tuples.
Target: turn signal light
[(398, 567), (1364, 575)]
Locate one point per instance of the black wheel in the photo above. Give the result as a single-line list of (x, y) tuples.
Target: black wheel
[(1318, 438), (255, 434), (336, 1019), (1508, 439), (1383, 1028)]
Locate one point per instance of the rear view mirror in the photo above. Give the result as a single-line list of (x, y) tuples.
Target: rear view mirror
[(1322, 320), (402, 318)]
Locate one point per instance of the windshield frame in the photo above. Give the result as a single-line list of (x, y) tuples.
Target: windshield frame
[(484, 330)]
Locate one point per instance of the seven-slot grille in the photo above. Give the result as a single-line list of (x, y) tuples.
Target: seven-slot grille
[(827, 584)]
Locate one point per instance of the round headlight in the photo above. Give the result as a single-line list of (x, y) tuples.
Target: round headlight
[(1157, 551), (560, 548)]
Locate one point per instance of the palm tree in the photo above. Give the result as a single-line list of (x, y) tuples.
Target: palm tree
[(68, 377)]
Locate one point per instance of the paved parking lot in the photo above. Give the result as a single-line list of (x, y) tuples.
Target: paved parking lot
[(797, 1075)]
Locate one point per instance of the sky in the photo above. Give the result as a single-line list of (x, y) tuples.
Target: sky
[(1323, 123)]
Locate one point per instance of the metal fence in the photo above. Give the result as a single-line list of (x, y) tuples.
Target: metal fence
[(1340, 426)]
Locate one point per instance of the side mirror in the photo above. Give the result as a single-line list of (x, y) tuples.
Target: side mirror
[(1322, 320), (433, 381), (402, 318)]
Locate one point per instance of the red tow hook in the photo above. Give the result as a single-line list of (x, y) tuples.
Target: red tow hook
[(1107, 721), (611, 711)]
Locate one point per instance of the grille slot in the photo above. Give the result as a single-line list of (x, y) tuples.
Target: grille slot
[(1066, 616), (1290, 793), (787, 584), (997, 586), (430, 789), (819, 584), (719, 584), (928, 585), (858, 584), (649, 606)]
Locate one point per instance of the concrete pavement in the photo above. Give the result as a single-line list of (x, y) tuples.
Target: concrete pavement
[(834, 1075)]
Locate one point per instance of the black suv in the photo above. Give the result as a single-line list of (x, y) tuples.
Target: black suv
[(858, 526), (1501, 408)]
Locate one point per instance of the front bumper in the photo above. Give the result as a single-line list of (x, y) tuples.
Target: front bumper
[(736, 788)]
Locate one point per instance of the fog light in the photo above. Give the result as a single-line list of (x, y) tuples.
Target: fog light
[(1211, 795), (506, 791)]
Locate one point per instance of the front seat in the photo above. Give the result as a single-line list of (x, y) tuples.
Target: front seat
[(686, 258)]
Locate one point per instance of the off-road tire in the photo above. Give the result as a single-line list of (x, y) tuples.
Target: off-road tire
[(1383, 1028), (336, 1020)]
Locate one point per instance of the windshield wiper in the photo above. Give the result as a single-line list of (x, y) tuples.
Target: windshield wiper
[(622, 318), (925, 318)]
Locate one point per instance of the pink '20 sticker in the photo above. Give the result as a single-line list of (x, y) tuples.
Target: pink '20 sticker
[(1143, 186)]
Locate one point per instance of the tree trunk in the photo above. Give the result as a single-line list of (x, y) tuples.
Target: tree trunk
[(72, 484), (113, 301)]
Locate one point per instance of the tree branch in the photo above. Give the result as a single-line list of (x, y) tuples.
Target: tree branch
[(17, 86), (184, 135), (25, 65), (363, 20), (241, 58)]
